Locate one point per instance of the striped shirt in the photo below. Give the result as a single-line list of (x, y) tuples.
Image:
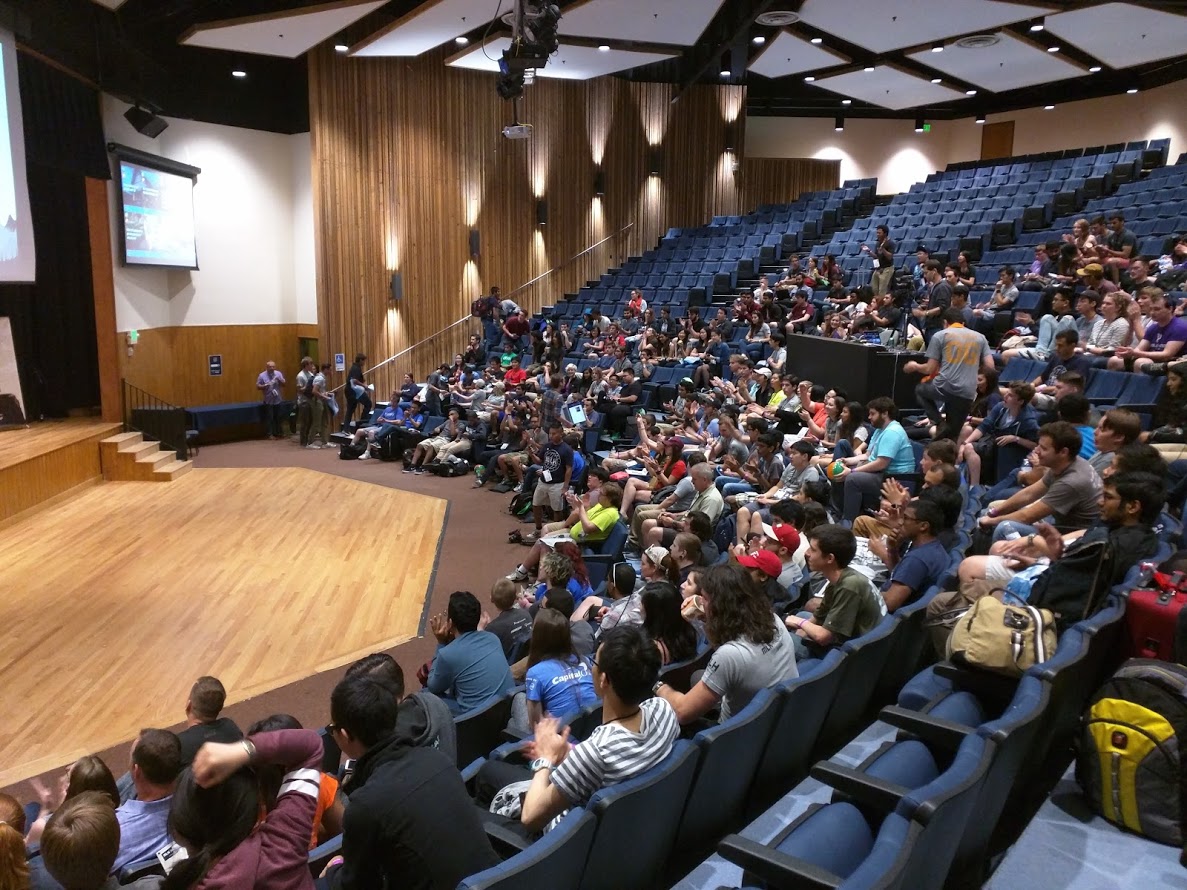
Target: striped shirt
[(613, 754)]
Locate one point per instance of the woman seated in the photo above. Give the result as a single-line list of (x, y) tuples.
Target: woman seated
[(564, 567), (559, 682), (1013, 422), (592, 525), (665, 469), (675, 638), (987, 398)]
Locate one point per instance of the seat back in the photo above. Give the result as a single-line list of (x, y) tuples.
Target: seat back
[(726, 768), (866, 658), (331, 756), (582, 724), (637, 822), (788, 754), (480, 731), (909, 641), (555, 860), (614, 542), (678, 674), (1069, 673)]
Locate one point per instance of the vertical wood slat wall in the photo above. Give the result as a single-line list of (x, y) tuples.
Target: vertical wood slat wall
[(408, 157)]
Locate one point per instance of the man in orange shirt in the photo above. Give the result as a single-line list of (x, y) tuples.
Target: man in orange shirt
[(955, 356)]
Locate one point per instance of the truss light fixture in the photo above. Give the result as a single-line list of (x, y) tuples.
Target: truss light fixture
[(759, 40), (809, 79), (846, 101), (239, 73), (604, 48), (1048, 108), (937, 48), (340, 47), (937, 80), (868, 69), (1095, 69), (463, 40), (1053, 49), (970, 92), (980, 118), (1132, 90), (1037, 25)]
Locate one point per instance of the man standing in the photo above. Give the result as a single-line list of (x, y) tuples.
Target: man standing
[(955, 356), (890, 451), (488, 314), (305, 400), (356, 391), (156, 762), (929, 316), (556, 473), (469, 668), (322, 413), (270, 383), (883, 254)]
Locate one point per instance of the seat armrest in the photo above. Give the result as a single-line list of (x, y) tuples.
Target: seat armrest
[(471, 771), (505, 841), (774, 868), (983, 684), (937, 731), (864, 789)]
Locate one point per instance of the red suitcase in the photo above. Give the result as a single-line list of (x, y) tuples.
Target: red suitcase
[(1155, 620)]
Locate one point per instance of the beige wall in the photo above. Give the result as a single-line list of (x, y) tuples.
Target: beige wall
[(892, 151)]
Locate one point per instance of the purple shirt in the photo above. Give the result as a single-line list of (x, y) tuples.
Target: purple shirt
[(270, 386), (1175, 331)]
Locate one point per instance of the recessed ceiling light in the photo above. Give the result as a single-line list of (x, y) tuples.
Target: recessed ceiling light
[(818, 40), (604, 48), (936, 80), (340, 47), (759, 40), (1094, 69), (839, 124), (239, 72), (1132, 90), (938, 48), (461, 41), (1048, 108), (980, 118), (1053, 49), (725, 74), (809, 79), (1036, 26), (868, 69), (846, 101), (970, 92)]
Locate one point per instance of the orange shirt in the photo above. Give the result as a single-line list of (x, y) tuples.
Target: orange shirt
[(326, 794)]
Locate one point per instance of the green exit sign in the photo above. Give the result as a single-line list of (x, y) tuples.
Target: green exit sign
[(927, 128)]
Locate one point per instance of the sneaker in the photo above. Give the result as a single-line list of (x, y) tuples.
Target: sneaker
[(519, 575), (419, 471), (314, 447), (408, 468), (365, 456), (519, 488)]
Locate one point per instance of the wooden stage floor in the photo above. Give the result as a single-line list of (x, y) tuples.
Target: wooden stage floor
[(47, 460), (117, 599)]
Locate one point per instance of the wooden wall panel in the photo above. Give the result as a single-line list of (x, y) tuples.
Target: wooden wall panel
[(171, 363), (408, 156), (103, 285)]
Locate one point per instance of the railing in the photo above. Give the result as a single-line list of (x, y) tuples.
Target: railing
[(155, 418), (469, 318)]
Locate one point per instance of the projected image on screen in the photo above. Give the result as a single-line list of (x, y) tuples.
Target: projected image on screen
[(158, 217), (17, 259)]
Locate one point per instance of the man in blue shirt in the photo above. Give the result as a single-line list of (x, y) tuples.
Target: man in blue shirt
[(924, 561), (143, 821), (860, 481), (469, 668)]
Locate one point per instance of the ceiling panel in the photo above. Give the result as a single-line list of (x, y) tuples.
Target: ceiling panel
[(889, 88), (426, 27), (895, 24), (788, 54), (1008, 65), (569, 63), (1122, 35), (284, 34), (676, 22)]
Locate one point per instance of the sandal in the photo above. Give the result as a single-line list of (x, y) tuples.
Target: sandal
[(514, 537), (529, 539)]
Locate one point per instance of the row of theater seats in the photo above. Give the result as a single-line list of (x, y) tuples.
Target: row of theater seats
[(926, 809)]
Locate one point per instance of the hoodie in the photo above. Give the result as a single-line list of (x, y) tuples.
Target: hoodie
[(410, 822), (426, 721)]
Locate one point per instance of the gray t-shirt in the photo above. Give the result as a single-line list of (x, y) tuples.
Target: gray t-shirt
[(740, 668), (684, 494), (960, 353), (738, 449), (1073, 495), (793, 480)]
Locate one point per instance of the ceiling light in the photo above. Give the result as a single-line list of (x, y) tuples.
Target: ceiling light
[(340, 47), (461, 41), (604, 48), (918, 125), (1132, 90), (936, 80), (839, 124), (239, 72), (809, 79), (980, 118), (970, 92), (759, 40), (725, 74), (1048, 108), (818, 40), (938, 48), (1094, 69), (846, 101), (868, 69), (1053, 49), (1036, 26)]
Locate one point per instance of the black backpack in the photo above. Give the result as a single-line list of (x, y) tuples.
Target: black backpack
[(521, 504), (1076, 585), (1130, 761), (350, 451), (308, 389)]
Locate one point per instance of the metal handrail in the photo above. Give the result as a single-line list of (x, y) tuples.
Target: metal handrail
[(167, 423), (467, 318)]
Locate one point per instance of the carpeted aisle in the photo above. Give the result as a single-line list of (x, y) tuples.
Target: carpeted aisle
[(473, 553)]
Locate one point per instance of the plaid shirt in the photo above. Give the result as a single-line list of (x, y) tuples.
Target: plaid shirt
[(551, 403)]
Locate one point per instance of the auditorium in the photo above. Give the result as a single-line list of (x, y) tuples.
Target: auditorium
[(827, 362)]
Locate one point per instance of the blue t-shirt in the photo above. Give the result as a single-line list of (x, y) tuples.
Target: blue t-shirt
[(578, 463), (919, 569), (891, 441), (1087, 442), (580, 591), (392, 412), (561, 687)]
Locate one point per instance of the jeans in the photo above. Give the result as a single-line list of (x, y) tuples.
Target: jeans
[(843, 449), (734, 487), (490, 331), (305, 421), (956, 410), (272, 418), (354, 399), (856, 492), (1007, 531)]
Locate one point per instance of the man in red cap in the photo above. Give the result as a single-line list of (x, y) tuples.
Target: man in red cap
[(784, 541), (764, 568)]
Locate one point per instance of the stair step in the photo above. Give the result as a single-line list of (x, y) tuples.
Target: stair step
[(141, 449), (122, 439), (156, 458), (172, 470)]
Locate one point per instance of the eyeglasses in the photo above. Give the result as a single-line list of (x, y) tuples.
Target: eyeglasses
[(331, 728)]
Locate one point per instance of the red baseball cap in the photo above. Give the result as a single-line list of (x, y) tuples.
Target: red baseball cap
[(785, 533), (765, 561)]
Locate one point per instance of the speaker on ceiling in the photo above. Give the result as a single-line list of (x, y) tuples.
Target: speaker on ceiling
[(146, 122), (397, 287)]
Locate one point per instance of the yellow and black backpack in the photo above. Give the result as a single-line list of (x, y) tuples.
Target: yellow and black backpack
[(1130, 763)]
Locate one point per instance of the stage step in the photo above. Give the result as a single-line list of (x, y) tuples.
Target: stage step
[(127, 457)]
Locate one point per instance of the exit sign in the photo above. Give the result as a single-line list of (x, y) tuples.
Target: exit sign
[(927, 128)]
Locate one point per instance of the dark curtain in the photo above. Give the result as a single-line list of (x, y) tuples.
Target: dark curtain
[(53, 319)]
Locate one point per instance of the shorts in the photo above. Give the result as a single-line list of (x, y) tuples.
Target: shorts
[(997, 570), (550, 494)]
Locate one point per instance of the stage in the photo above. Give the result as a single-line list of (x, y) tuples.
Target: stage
[(117, 598), (47, 460)]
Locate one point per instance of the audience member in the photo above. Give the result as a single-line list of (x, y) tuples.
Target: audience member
[(469, 668), (675, 638), (14, 865), (857, 485), (203, 723), (955, 356), (143, 820), (423, 718), (849, 606), (511, 625)]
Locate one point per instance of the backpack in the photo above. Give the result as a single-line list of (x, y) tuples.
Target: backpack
[(521, 504), (1129, 758), (307, 390), (449, 467), (477, 307), (725, 532), (350, 451), (1077, 583)]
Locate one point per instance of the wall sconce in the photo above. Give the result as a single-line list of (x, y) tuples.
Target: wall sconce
[(475, 244), (541, 212), (397, 287), (655, 162), (600, 183)]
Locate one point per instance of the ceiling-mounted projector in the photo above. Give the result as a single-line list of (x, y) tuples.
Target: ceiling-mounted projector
[(517, 131)]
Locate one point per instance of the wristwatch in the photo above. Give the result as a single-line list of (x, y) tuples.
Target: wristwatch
[(541, 763)]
